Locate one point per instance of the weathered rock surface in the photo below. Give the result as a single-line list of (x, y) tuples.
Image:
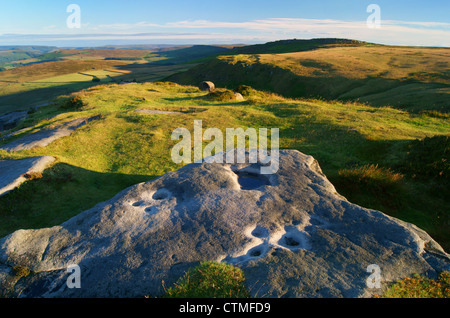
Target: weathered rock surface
[(45, 137), (13, 133), (290, 232), (11, 120), (12, 171)]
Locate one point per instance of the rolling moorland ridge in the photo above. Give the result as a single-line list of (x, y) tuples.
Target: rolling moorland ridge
[(375, 118)]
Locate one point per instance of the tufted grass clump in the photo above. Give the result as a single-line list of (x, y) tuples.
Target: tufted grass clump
[(372, 174), (372, 177), (33, 175), (210, 280), (222, 95), (248, 91), (74, 102), (373, 186)]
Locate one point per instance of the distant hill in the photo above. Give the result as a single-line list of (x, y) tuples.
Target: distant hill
[(16, 56), (39, 49), (188, 54), (295, 45), (12, 57), (409, 78), (19, 58), (9, 56), (145, 47)]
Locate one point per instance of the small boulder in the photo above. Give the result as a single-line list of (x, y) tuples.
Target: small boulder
[(207, 86), (238, 96)]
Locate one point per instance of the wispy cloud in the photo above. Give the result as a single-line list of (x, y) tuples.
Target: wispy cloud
[(391, 31), (442, 25), (279, 24)]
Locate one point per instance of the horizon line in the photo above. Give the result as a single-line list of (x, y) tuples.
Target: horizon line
[(99, 45)]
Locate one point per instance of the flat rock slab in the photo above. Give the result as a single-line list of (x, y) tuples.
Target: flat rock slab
[(12, 134), (11, 120), (290, 232), (45, 137), (12, 171), (156, 112)]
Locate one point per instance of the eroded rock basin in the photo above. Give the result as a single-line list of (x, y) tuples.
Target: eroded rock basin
[(251, 181)]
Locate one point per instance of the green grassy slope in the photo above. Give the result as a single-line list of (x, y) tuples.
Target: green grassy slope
[(413, 79), (364, 151)]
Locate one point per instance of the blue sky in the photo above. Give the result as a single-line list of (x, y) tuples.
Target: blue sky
[(104, 22)]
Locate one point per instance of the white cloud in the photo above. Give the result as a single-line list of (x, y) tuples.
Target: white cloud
[(391, 32)]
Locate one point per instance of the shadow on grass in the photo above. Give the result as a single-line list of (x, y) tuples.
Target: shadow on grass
[(26, 100), (63, 192)]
